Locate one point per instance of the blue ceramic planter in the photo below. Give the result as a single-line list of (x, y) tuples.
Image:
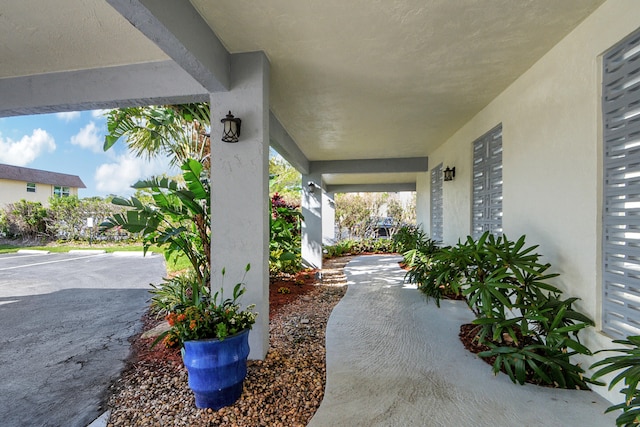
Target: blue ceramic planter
[(217, 369)]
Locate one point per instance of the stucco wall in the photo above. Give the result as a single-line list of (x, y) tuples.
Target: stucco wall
[(13, 191), (552, 145)]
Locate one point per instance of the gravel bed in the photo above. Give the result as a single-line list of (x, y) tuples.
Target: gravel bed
[(285, 389)]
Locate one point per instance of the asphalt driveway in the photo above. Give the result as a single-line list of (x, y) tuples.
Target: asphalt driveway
[(65, 320)]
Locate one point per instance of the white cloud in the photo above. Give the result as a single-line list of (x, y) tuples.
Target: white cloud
[(117, 178), (88, 138), (27, 149), (68, 116), (99, 114)]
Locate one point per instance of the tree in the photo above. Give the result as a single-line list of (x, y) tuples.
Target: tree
[(178, 219), (168, 212), (355, 210), (357, 214), (178, 131), (284, 180)]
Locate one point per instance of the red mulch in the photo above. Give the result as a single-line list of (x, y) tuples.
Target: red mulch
[(468, 336), (285, 288)]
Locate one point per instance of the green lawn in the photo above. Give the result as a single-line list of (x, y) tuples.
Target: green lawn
[(172, 265)]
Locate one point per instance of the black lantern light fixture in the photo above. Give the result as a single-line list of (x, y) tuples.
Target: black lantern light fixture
[(231, 131), (449, 173), (312, 187)]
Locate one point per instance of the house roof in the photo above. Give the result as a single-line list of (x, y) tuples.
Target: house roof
[(17, 173)]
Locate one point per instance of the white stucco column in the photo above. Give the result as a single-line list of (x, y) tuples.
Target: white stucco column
[(328, 219), (240, 191), (423, 201), (312, 223)]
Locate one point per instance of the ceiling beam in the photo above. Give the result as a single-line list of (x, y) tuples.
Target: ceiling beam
[(282, 142), (412, 164), (371, 188), (151, 83), (179, 30)]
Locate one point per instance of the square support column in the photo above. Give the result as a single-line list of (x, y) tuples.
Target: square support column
[(312, 223), (423, 201), (240, 192), (328, 219)]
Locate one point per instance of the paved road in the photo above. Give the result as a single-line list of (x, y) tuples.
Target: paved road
[(65, 320)]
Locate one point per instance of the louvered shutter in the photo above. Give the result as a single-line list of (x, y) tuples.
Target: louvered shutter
[(436, 203), (486, 209), (621, 207)]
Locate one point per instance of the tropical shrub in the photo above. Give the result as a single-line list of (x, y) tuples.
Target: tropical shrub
[(357, 247), (285, 243), (372, 245), (531, 331), (24, 219), (174, 292), (67, 218), (407, 238), (178, 220), (417, 249), (4, 225), (339, 249), (629, 360)]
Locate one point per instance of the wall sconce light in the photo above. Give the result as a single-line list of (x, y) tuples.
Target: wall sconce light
[(449, 173), (312, 187), (231, 131)]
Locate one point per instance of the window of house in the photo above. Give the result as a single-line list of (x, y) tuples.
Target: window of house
[(436, 203), (31, 187), (486, 209), (59, 191), (621, 198)]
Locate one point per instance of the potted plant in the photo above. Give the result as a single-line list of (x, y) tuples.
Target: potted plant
[(213, 334)]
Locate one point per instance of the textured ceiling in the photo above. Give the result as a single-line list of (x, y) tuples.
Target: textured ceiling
[(62, 35), (352, 79), (388, 78)]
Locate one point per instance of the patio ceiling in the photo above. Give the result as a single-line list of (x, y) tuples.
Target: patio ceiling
[(357, 79)]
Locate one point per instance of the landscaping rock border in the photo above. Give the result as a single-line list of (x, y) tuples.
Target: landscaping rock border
[(285, 389)]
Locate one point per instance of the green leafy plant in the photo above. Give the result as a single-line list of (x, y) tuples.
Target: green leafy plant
[(285, 244), (67, 219), (543, 346), (175, 130), (412, 237), (438, 272), (206, 316), (284, 290), (356, 247), (629, 363), (530, 330), (25, 219), (175, 292), (339, 249), (178, 220)]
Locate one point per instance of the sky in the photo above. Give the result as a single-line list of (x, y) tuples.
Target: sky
[(72, 143)]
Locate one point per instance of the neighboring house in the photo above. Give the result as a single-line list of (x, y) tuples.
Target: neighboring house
[(34, 185)]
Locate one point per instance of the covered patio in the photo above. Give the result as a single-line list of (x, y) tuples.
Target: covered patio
[(373, 96)]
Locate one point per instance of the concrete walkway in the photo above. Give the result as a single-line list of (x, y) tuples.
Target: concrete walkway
[(395, 360)]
